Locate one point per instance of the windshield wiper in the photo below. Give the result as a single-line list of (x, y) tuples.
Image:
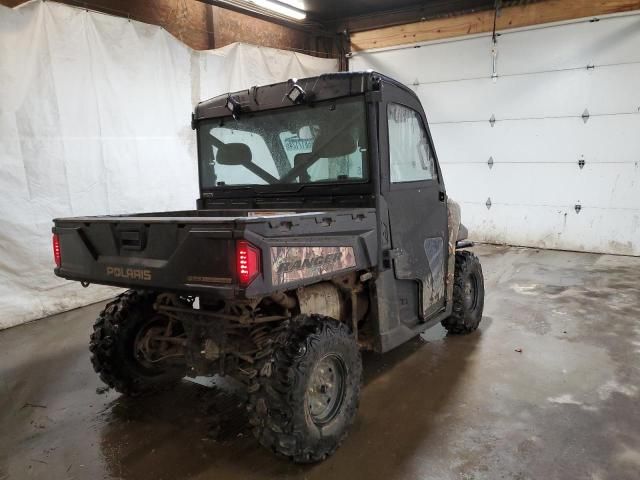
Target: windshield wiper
[(263, 174)]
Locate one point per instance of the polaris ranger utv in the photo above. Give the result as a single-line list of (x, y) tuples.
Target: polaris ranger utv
[(322, 228)]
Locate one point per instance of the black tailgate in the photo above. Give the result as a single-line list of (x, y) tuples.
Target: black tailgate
[(132, 251)]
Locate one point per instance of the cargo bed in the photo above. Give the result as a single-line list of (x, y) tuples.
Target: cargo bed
[(193, 251)]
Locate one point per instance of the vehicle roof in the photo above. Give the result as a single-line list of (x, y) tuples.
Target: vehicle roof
[(322, 87)]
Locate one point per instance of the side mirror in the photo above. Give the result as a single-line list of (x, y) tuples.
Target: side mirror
[(234, 154)]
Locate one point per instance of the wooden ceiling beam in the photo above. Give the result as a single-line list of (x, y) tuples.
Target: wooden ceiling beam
[(547, 11)]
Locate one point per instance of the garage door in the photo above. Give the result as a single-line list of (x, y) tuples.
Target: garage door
[(539, 134)]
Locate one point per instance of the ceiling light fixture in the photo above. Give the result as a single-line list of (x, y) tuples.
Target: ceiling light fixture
[(286, 8)]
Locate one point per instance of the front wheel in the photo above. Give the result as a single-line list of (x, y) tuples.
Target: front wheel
[(305, 396), (468, 295)]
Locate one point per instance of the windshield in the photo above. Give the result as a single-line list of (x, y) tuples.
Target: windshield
[(323, 142)]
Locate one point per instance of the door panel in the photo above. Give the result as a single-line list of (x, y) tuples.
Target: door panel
[(417, 206), (418, 229)]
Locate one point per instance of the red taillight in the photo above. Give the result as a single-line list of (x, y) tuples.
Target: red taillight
[(56, 250), (247, 262)]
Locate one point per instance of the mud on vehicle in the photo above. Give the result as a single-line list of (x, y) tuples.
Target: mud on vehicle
[(323, 228)]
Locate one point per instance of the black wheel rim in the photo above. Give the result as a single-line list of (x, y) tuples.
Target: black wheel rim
[(470, 296), (325, 393)]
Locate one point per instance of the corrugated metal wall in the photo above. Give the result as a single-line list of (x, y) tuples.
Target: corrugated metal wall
[(560, 165)]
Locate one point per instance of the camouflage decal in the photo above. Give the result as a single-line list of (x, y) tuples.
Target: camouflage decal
[(296, 263), (433, 286)]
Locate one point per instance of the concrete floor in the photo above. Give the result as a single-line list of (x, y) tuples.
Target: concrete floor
[(566, 406)]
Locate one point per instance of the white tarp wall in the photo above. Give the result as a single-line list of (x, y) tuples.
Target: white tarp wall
[(546, 78), (95, 119)]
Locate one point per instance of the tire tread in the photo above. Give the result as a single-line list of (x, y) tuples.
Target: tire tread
[(271, 405), (460, 321)]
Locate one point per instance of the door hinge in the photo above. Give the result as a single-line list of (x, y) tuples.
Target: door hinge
[(390, 255)]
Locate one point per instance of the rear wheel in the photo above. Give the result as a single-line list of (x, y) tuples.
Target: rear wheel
[(133, 348), (468, 295), (305, 396)]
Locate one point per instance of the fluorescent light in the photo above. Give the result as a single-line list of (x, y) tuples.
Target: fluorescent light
[(299, 4), (277, 7)]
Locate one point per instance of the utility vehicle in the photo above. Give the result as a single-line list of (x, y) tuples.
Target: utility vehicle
[(322, 229)]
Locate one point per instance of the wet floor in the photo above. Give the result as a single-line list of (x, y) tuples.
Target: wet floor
[(548, 388)]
